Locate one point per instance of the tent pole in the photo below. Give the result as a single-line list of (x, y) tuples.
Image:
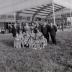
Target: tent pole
[(70, 17), (16, 15), (17, 18), (53, 12)]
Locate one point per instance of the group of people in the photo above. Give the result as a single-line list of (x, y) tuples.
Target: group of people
[(49, 30), (35, 36)]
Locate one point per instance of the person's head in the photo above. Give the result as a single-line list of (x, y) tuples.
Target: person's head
[(37, 23), (21, 32), (51, 24), (26, 24), (12, 25), (15, 25), (32, 23), (44, 24)]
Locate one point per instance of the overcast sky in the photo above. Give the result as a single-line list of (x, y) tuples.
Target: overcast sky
[(14, 5), (5, 3)]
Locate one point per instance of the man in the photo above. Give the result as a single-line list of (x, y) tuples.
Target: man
[(45, 30), (14, 30), (53, 30)]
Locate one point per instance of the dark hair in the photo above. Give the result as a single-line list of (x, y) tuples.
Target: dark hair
[(35, 30), (13, 31)]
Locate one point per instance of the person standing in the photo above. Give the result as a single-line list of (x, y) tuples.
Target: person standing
[(14, 34), (14, 30), (45, 30), (18, 29), (53, 30)]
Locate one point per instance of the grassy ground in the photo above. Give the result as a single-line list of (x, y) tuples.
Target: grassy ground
[(54, 58)]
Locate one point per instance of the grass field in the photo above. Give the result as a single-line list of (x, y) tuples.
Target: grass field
[(54, 58)]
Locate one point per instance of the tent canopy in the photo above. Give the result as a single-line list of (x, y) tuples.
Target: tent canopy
[(7, 6)]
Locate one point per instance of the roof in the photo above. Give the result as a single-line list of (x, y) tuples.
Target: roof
[(43, 10)]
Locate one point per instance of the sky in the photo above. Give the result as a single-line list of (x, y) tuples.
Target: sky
[(14, 5), (66, 3), (5, 3)]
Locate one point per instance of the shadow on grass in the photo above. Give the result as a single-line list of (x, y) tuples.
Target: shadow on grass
[(7, 42), (2, 67)]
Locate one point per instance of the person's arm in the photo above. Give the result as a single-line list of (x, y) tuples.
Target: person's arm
[(55, 28)]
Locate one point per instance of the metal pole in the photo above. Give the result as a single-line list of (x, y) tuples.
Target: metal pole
[(70, 17), (53, 12), (17, 18), (14, 17)]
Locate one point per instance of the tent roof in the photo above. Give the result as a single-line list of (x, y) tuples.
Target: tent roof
[(7, 6), (43, 10)]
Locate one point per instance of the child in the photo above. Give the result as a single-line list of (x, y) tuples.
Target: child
[(44, 42), (17, 43), (26, 39)]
